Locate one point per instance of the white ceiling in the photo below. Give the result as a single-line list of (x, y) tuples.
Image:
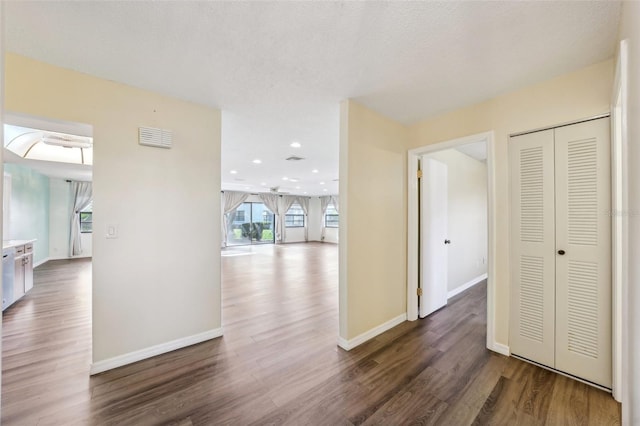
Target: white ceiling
[(476, 150), (279, 69)]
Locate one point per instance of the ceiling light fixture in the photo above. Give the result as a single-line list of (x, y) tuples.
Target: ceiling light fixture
[(257, 161), (293, 180), (285, 178), (295, 145), (233, 172), (314, 171), (263, 183), (298, 187), (321, 183), (325, 190), (66, 141)]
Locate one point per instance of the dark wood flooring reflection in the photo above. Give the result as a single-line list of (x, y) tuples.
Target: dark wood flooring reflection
[(278, 362)]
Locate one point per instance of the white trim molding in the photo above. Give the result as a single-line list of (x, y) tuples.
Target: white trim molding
[(347, 345), (139, 355), (41, 262), (620, 231), (499, 348), (466, 285)]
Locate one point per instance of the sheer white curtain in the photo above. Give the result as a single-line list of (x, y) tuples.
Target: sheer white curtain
[(231, 200), (82, 194), (335, 199), (284, 204), (304, 203), (325, 200), (271, 201)]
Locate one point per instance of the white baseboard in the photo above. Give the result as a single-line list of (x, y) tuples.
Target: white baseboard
[(139, 355), (466, 286), (499, 348), (69, 258), (347, 345), (43, 261)]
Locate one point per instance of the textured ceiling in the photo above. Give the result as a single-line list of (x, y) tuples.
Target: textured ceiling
[(278, 70)]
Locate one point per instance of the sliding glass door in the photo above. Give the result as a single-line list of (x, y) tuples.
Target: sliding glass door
[(251, 223)]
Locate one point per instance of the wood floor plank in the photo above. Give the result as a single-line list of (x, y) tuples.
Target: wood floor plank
[(278, 362)]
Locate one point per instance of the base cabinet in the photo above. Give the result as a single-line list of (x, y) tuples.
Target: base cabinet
[(22, 275)]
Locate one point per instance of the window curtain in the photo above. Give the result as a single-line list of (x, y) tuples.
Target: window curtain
[(304, 203), (271, 201), (231, 200), (82, 193), (284, 204), (335, 199), (325, 200)]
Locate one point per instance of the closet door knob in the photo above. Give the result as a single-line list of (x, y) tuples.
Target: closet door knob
[(561, 252)]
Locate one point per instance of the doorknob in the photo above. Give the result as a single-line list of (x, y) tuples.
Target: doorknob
[(447, 241), (561, 252)]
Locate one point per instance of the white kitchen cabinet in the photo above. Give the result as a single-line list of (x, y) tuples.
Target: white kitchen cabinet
[(20, 280), (28, 267)]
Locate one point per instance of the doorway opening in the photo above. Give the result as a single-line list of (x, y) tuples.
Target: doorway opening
[(414, 250)]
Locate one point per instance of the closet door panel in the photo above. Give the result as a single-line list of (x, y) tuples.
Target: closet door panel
[(532, 334), (583, 232)]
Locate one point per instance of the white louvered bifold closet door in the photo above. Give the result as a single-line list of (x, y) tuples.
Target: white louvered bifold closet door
[(561, 249), (583, 231), (533, 247)]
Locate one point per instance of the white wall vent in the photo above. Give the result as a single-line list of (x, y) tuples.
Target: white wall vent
[(158, 138)]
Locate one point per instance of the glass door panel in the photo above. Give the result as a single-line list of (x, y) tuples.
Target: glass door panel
[(263, 224), (251, 223), (239, 225)]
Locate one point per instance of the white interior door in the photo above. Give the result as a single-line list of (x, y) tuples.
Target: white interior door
[(433, 233), (583, 235), (532, 334)]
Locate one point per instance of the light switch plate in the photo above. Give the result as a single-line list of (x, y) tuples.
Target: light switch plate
[(112, 231)]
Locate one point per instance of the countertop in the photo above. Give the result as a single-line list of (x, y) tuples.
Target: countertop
[(15, 243)]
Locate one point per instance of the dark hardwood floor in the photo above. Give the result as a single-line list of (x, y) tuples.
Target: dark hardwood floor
[(278, 362)]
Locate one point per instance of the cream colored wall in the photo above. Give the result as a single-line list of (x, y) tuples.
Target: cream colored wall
[(160, 279), (580, 94), (630, 30), (372, 219), (467, 216)]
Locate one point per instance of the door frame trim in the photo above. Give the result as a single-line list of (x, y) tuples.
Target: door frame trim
[(619, 231), (413, 230)]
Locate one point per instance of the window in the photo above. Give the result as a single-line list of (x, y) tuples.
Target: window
[(239, 216), (331, 217), (294, 218), (86, 219)]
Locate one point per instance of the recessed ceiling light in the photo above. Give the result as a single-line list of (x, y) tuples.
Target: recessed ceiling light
[(293, 180), (263, 183), (247, 187), (305, 192), (295, 145), (298, 187), (285, 178), (314, 171), (233, 172), (325, 190), (257, 161), (321, 183)]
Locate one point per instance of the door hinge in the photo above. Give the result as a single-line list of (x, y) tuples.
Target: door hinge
[(419, 174), (419, 291)]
